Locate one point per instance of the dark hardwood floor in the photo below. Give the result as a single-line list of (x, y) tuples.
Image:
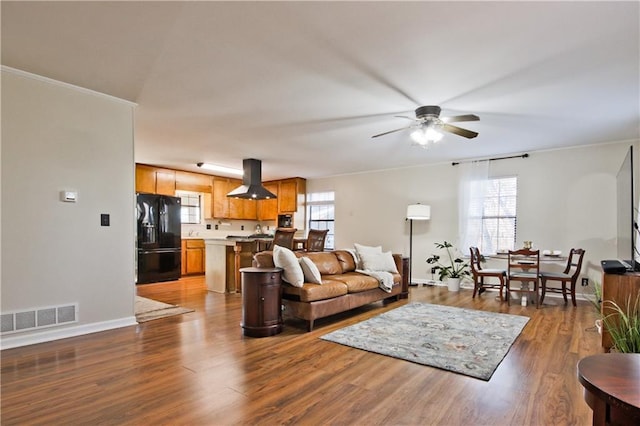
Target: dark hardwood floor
[(198, 369)]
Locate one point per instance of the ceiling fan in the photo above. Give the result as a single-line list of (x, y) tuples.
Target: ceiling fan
[(429, 125)]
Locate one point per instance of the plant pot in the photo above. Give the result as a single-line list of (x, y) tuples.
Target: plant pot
[(453, 284)]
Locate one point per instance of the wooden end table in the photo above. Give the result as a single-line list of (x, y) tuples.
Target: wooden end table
[(612, 387), (261, 301)]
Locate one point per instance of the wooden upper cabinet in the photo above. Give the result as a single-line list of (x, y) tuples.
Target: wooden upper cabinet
[(145, 179), (231, 208), (165, 182), (236, 205), (220, 199), (195, 182), (250, 209), (155, 180), (291, 194), (268, 209)]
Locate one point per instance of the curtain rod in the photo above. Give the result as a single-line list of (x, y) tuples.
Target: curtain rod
[(455, 163)]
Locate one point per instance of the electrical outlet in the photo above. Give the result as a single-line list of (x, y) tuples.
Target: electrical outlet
[(216, 227), (433, 270), (585, 282), (208, 226)]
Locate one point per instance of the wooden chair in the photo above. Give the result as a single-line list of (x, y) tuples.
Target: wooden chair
[(283, 237), (524, 266), (480, 274), (315, 239), (569, 275)]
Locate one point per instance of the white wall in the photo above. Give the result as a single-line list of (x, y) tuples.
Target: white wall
[(57, 137), (566, 199)]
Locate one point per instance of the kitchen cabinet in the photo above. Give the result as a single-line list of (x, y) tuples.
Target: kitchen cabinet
[(193, 257), (231, 208), (155, 180), (195, 182), (183, 257), (291, 195), (268, 209)]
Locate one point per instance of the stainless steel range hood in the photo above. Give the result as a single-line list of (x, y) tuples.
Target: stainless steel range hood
[(251, 187)]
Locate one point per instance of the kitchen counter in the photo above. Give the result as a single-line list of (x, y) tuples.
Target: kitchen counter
[(225, 257)]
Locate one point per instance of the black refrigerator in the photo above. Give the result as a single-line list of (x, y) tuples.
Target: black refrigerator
[(159, 238)]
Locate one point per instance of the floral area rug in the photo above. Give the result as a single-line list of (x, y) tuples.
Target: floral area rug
[(148, 309), (464, 341)]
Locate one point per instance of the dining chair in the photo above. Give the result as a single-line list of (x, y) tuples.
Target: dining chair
[(316, 239), (569, 275), (479, 274), (524, 266), (283, 237)]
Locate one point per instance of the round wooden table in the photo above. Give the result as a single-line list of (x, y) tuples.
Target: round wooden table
[(612, 387)]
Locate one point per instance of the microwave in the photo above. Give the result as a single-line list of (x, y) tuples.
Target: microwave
[(285, 221)]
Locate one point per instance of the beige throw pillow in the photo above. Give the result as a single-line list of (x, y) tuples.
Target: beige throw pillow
[(287, 260), (310, 271), (360, 250), (379, 262)]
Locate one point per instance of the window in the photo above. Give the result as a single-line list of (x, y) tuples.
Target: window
[(321, 214), (190, 211), (492, 219)]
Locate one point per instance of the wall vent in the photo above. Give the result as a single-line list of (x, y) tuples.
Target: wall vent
[(31, 319)]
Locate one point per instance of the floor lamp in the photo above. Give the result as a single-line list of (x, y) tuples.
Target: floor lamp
[(415, 212)]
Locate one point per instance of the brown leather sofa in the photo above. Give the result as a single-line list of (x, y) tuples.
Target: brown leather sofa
[(342, 288)]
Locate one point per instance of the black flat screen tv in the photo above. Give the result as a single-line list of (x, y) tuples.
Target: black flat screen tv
[(627, 225)]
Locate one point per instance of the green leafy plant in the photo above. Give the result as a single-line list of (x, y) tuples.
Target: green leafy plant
[(454, 267), (623, 325), (596, 301)]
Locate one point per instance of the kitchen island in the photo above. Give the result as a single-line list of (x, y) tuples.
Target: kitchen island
[(224, 258)]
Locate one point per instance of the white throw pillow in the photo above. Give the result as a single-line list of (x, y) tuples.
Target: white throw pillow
[(379, 262), (310, 271), (360, 249), (287, 260)]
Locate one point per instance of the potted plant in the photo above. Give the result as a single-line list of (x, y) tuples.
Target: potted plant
[(453, 269), (623, 325)]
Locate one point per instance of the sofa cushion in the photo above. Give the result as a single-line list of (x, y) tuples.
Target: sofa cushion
[(310, 270), (346, 259), (355, 281), (312, 292), (326, 261), (287, 260)]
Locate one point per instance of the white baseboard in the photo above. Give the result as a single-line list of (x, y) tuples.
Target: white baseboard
[(17, 340)]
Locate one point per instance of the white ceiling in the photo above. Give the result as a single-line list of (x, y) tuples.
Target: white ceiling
[(304, 85)]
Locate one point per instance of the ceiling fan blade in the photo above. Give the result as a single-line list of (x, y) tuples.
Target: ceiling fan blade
[(458, 118), (391, 131), (405, 116), (459, 131)]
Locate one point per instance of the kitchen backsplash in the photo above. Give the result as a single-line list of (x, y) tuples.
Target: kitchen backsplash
[(225, 227)]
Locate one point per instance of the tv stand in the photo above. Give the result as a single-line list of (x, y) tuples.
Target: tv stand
[(619, 288)]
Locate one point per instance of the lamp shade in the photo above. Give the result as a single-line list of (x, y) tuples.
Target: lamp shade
[(418, 212)]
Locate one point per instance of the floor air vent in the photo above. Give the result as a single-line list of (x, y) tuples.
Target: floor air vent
[(39, 318)]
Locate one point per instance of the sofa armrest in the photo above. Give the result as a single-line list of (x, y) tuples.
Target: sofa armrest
[(397, 258), (263, 259)]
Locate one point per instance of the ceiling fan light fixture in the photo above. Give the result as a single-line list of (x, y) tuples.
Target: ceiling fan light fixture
[(426, 135)]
